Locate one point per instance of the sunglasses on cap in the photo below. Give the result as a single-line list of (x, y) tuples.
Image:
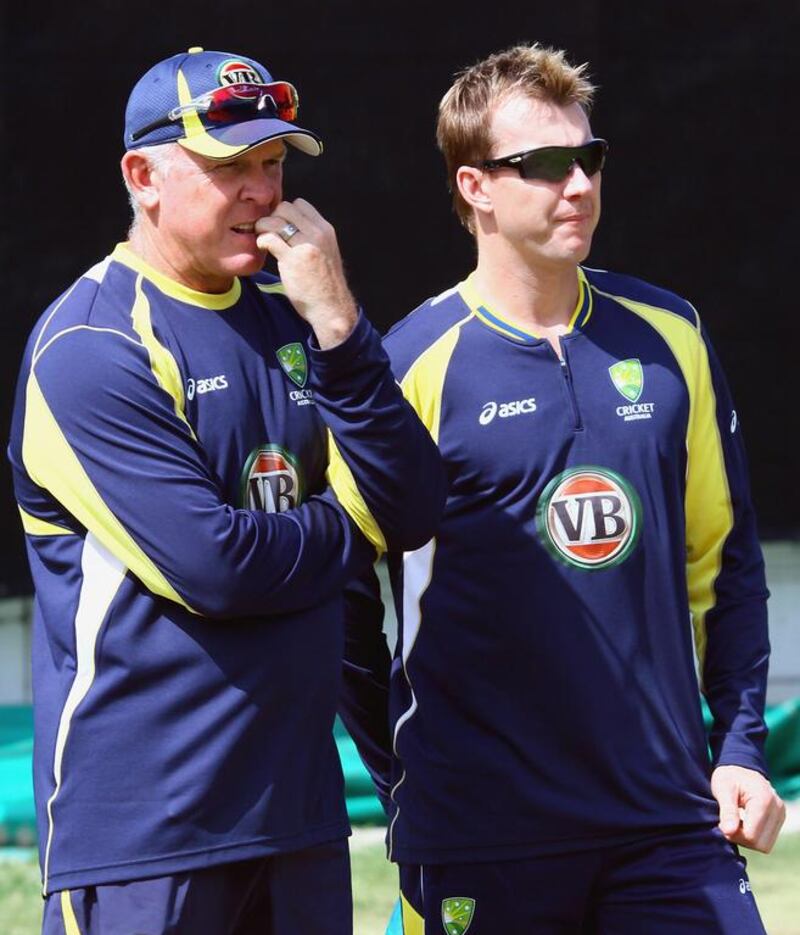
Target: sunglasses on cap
[(553, 163), (234, 102)]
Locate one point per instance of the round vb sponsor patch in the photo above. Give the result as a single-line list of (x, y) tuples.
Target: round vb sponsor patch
[(271, 481), (589, 517), (235, 71)]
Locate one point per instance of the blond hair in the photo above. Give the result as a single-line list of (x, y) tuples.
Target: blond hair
[(463, 127)]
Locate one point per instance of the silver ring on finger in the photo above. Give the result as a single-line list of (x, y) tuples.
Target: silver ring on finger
[(288, 231)]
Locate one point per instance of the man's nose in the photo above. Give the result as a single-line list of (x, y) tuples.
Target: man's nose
[(577, 182), (262, 186)]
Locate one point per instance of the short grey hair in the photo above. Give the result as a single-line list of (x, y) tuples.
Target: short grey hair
[(161, 158)]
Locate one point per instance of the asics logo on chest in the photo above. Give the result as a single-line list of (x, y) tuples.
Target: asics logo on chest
[(516, 407), (205, 385)]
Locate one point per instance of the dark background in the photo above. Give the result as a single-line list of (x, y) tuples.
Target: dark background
[(698, 100)]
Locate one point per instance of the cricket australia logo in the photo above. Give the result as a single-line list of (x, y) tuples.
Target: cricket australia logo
[(292, 359), (628, 377), (271, 481), (457, 913), (589, 517)]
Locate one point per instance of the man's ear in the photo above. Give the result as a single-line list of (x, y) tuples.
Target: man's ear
[(140, 176), (473, 189)]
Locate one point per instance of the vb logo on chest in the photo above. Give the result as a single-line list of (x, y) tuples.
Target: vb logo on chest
[(271, 481), (589, 517)]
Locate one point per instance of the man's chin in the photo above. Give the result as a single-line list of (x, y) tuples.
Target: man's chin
[(578, 251), (247, 264)]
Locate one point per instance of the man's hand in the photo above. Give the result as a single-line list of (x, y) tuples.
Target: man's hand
[(750, 810), (311, 269)]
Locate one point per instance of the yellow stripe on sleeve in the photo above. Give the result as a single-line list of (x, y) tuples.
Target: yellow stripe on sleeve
[(423, 383), (34, 526), (52, 464), (422, 387), (341, 479), (162, 363), (707, 497), (708, 509)]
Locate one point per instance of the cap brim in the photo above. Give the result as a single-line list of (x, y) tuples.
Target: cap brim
[(237, 138)]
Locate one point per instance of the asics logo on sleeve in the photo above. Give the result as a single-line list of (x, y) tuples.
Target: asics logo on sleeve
[(515, 407), (206, 385)]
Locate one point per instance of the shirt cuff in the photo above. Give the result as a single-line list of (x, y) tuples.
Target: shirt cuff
[(331, 362)]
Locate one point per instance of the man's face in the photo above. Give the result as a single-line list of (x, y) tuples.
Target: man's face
[(548, 222), (203, 230)]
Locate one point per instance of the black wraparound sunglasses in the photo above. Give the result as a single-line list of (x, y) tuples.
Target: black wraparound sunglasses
[(553, 163)]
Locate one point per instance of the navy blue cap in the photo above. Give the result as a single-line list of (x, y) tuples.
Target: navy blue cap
[(176, 81)]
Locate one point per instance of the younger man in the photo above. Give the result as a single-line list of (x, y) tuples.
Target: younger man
[(551, 772)]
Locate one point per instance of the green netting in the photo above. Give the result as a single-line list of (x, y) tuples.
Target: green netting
[(16, 787), (783, 745), (363, 805)]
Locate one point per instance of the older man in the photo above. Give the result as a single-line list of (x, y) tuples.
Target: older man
[(551, 771), (176, 415)]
